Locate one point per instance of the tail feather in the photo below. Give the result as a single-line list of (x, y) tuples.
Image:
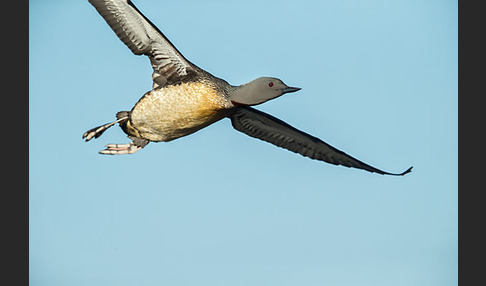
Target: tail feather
[(122, 114)]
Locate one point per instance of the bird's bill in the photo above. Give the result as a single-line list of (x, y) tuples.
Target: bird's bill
[(290, 89)]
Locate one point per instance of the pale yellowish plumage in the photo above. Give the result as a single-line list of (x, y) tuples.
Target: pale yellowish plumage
[(174, 111)]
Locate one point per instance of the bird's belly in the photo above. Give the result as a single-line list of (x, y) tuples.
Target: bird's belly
[(171, 112)]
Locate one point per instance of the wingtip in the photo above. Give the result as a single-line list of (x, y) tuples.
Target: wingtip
[(398, 174), (407, 171)]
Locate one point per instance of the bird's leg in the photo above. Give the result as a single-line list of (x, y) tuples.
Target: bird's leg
[(118, 149), (97, 131), (130, 148)]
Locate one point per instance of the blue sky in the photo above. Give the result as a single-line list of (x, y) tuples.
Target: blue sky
[(379, 81)]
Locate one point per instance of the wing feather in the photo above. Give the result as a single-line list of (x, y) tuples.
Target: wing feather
[(273, 130), (144, 38)]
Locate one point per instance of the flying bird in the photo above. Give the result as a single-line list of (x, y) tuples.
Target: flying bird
[(185, 98)]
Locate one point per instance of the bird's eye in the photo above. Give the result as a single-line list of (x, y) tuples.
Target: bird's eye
[(270, 84)]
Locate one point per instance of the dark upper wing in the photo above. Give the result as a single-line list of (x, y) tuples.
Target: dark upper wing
[(143, 38), (273, 130)]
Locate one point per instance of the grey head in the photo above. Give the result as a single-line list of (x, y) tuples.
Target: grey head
[(259, 91)]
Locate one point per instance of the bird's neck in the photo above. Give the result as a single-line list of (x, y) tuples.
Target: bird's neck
[(243, 95)]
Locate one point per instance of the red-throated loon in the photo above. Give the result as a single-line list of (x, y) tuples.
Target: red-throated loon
[(185, 98)]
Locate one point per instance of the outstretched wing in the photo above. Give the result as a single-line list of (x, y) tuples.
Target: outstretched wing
[(143, 38), (273, 130)]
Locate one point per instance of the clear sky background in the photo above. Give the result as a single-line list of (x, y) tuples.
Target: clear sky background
[(379, 81)]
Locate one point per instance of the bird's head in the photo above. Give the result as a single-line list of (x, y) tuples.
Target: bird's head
[(259, 91)]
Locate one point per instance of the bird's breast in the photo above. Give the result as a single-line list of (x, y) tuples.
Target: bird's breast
[(171, 112)]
